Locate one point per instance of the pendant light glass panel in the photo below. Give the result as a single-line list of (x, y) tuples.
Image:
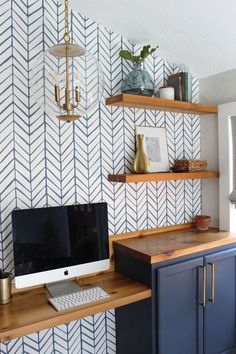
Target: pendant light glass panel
[(85, 78)]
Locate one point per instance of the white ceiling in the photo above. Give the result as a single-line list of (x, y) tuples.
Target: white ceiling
[(200, 34)]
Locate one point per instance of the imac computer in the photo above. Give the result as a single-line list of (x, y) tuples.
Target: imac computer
[(57, 243)]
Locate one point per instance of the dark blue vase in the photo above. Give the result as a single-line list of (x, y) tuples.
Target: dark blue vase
[(138, 82)]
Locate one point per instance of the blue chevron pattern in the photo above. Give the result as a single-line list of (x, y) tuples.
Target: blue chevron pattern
[(91, 335), (45, 162)]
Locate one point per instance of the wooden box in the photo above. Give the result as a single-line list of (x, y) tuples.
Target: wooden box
[(189, 166)]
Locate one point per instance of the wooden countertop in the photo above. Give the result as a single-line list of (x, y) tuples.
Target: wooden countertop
[(162, 247), (30, 312)]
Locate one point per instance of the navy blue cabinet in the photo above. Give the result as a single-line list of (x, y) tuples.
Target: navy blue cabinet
[(180, 309), (197, 306), (220, 310), (192, 310)]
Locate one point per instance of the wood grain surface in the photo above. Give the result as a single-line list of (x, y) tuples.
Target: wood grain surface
[(154, 103), (161, 247), (162, 176), (145, 232), (29, 311)]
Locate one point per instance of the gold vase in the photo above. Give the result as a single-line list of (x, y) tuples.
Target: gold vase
[(141, 163)]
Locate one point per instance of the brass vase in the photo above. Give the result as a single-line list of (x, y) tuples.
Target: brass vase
[(141, 163), (5, 288)]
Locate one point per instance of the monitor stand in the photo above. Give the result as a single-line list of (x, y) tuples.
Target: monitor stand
[(60, 288)]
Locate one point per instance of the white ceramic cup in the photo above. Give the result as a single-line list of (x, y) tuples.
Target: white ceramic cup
[(167, 92)]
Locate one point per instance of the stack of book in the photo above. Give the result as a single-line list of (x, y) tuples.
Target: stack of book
[(182, 83)]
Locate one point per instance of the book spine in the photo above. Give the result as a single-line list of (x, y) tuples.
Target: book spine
[(185, 88), (190, 82), (180, 88)]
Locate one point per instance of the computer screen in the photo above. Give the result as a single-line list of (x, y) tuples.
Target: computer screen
[(55, 243)]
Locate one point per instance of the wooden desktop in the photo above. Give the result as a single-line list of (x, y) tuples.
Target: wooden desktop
[(29, 310)]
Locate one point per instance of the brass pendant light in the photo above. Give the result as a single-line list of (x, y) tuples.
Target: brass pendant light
[(66, 80)]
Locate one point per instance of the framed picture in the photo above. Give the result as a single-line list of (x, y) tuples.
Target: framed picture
[(155, 145)]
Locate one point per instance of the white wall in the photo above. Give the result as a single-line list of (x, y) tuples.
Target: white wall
[(209, 151), (217, 89), (220, 88)]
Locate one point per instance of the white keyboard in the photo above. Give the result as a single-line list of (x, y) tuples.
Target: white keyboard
[(82, 297)]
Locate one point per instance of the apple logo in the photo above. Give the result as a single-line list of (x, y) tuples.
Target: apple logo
[(66, 272)]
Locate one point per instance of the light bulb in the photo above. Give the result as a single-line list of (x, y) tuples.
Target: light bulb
[(56, 78), (77, 79)]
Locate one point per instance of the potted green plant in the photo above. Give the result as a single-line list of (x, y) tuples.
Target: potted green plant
[(138, 81)]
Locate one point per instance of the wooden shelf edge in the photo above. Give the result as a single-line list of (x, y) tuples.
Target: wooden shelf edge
[(162, 176), (154, 103)]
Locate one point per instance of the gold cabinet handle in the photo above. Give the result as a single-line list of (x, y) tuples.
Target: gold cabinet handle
[(212, 300), (203, 303)]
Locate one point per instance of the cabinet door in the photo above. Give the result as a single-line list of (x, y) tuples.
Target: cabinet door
[(220, 311), (180, 314)]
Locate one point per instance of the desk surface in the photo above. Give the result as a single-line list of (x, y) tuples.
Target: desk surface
[(156, 248), (30, 312)]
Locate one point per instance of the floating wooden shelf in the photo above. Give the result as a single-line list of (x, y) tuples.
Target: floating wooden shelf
[(138, 101), (162, 176)]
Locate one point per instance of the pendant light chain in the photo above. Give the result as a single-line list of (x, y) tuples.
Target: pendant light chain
[(66, 34)]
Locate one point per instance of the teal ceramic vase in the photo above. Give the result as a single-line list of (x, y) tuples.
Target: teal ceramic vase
[(138, 82)]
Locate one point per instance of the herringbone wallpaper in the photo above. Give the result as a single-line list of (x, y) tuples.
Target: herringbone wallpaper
[(44, 162)]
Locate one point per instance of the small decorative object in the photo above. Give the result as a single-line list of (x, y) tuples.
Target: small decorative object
[(138, 81), (202, 222), (155, 146), (167, 92), (189, 166), (5, 287), (141, 163), (182, 82)]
